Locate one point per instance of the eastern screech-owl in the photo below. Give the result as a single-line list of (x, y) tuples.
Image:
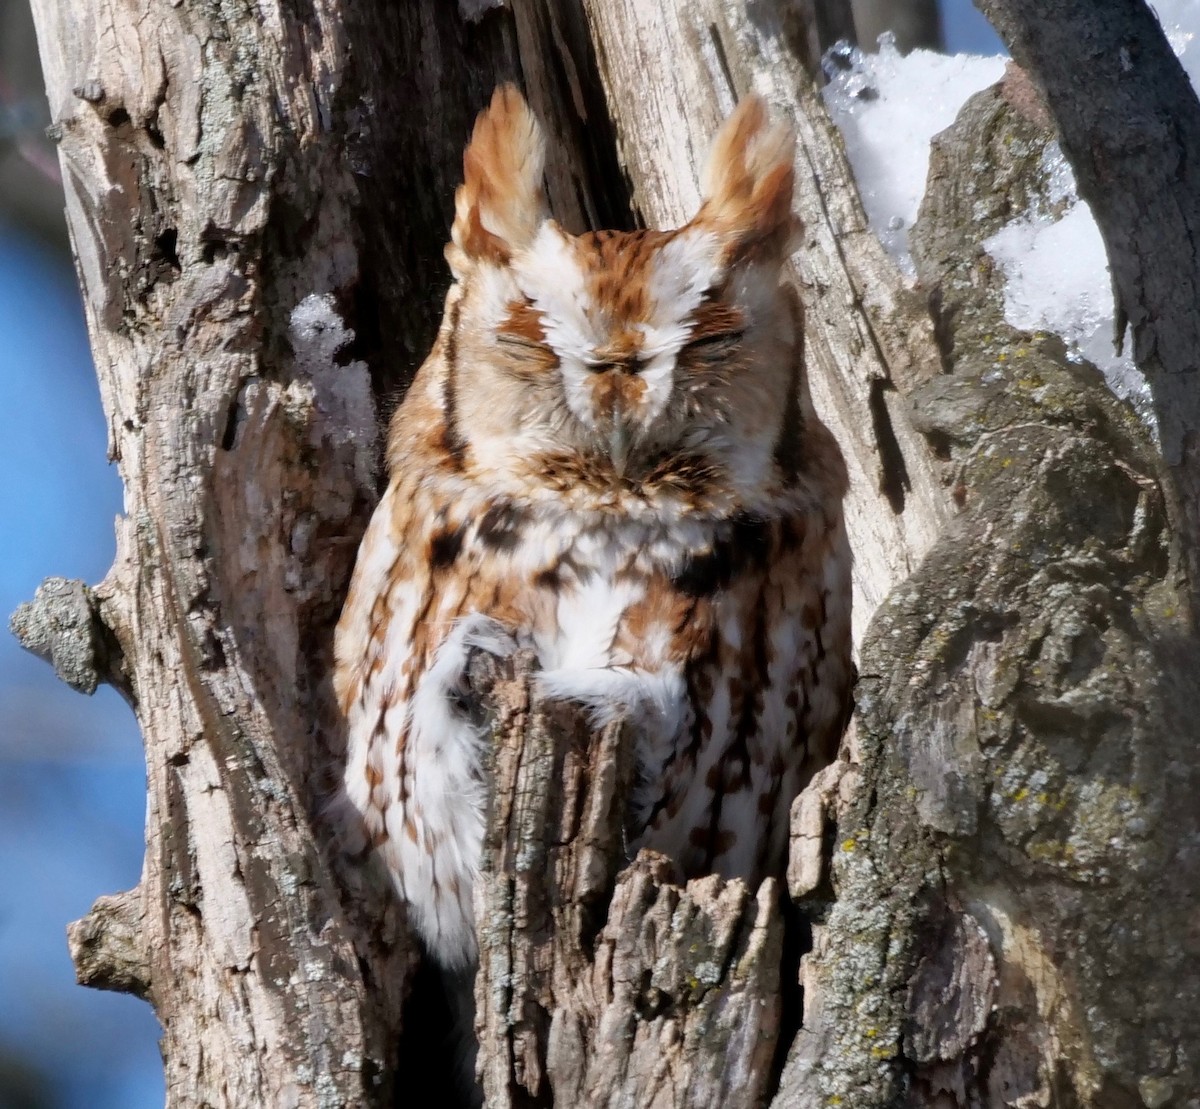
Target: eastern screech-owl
[(610, 457)]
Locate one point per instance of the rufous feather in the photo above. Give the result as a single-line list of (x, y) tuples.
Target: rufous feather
[(749, 179), (500, 205)]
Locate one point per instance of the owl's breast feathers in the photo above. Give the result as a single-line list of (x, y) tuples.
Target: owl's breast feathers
[(746, 604)]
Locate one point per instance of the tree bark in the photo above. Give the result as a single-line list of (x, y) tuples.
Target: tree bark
[(206, 203), (1129, 122), (1014, 870), (258, 200)]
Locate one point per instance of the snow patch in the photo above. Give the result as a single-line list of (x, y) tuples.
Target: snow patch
[(1180, 19), (888, 107), (341, 394), (1057, 279)]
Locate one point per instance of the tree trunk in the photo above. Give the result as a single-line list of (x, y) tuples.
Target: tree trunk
[(1130, 124), (1014, 869), (997, 873)]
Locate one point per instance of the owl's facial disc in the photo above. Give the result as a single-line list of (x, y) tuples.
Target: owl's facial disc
[(615, 310)]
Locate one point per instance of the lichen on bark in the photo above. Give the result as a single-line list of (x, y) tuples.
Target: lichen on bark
[(1024, 723)]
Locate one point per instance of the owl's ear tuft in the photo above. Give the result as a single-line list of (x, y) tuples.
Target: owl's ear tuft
[(748, 183), (499, 206)]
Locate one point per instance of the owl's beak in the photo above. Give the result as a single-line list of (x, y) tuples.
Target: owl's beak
[(619, 440)]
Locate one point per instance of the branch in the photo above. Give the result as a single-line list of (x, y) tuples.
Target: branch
[(64, 626), (604, 988), (108, 946), (1129, 122)]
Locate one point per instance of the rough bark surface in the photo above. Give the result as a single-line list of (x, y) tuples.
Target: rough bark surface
[(258, 214), (1014, 864), (600, 981), (1129, 121), (208, 200), (258, 200)]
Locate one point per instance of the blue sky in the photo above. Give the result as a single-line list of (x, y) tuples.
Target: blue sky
[(72, 789), (72, 780), (967, 31)]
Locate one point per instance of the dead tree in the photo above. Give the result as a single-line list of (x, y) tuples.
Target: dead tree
[(998, 875)]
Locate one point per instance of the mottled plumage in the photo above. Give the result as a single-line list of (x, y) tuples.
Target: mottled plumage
[(609, 456)]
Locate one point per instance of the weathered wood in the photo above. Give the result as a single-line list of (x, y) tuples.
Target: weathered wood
[(62, 625), (594, 988), (233, 542), (1129, 122), (1012, 876)]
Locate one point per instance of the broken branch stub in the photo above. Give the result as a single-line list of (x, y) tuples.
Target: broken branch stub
[(598, 985), (64, 626)]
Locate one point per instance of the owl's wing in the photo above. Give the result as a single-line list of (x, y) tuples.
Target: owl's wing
[(414, 775)]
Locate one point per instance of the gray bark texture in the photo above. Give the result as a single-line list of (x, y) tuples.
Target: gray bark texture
[(1129, 122), (997, 878), (1015, 864)]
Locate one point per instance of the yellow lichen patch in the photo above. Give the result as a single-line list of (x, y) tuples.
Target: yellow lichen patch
[(1052, 801), (1051, 851)]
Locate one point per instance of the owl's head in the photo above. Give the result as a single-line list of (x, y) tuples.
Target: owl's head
[(623, 348)]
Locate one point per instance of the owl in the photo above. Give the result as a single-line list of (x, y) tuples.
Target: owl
[(609, 457)]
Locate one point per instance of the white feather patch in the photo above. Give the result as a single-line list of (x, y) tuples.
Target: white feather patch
[(654, 701), (551, 279), (684, 270), (587, 621)]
